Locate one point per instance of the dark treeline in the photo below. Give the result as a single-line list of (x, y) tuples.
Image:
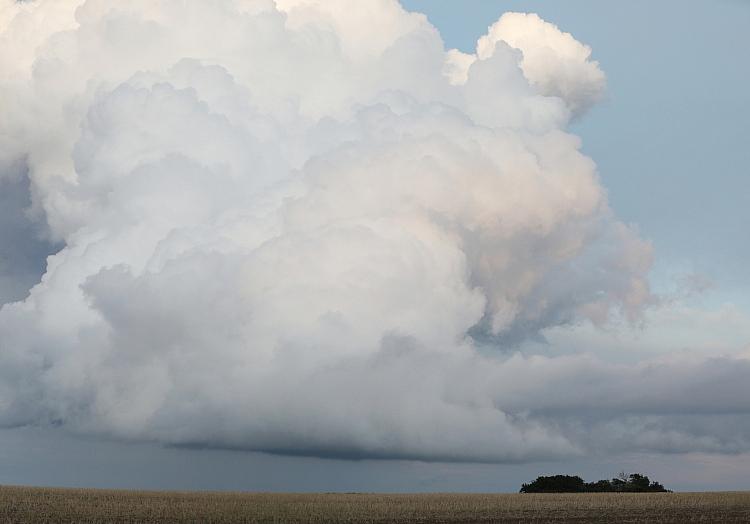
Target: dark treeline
[(635, 483)]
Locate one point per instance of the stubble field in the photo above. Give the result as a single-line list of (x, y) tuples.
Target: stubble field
[(19, 504)]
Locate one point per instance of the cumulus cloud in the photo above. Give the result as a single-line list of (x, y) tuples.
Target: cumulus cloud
[(554, 62), (300, 228)]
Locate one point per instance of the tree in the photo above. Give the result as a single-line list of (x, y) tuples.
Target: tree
[(600, 486), (635, 483), (555, 484)]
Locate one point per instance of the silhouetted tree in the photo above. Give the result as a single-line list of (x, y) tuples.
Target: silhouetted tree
[(635, 483), (555, 484), (600, 486)]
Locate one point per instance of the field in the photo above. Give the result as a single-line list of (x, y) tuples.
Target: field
[(19, 504)]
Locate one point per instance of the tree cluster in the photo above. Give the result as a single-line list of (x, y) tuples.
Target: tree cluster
[(634, 483)]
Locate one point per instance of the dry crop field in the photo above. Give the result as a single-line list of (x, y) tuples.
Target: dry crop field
[(18, 504)]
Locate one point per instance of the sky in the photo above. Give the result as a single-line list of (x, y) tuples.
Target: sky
[(371, 250)]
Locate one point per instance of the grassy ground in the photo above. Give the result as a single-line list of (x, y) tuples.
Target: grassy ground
[(89, 506)]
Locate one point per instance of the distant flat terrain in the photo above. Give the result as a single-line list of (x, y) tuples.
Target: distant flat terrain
[(19, 504)]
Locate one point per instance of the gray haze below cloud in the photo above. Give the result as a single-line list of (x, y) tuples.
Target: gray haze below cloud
[(34, 456)]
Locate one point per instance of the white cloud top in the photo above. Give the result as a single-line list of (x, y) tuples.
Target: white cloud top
[(295, 227), (554, 63)]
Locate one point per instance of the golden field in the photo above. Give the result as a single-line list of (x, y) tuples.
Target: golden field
[(20, 504)]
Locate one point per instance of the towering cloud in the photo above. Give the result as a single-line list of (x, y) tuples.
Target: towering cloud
[(300, 227), (555, 63)]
